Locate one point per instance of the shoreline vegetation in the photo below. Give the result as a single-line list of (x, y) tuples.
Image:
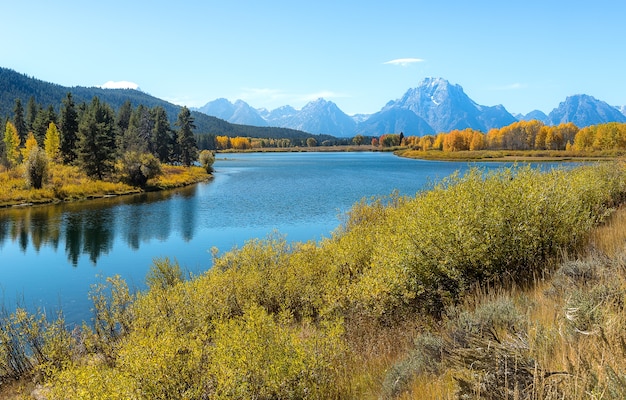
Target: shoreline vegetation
[(439, 155), (69, 183), (510, 155), (509, 284)]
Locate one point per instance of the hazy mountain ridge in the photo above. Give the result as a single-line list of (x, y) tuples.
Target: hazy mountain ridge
[(535, 114)]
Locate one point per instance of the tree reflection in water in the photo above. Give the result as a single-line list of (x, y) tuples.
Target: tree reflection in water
[(91, 228)]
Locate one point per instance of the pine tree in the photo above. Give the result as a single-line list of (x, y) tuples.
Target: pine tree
[(42, 121), (68, 125), (31, 113), (161, 134), (96, 144), (18, 120), (137, 136), (187, 148), (122, 120)]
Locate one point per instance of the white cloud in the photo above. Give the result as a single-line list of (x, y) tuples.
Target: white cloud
[(404, 62), (119, 85)]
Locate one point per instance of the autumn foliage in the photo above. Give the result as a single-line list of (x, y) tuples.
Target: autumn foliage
[(522, 135)]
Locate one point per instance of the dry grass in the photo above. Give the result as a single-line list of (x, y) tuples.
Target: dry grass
[(177, 176), (610, 238), (374, 348), (67, 183), (568, 343), (510, 155)]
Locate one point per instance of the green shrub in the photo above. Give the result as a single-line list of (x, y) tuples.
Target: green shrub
[(36, 168), (206, 159), (137, 168)]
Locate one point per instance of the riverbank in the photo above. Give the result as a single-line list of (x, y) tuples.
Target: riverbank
[(69, 183), (438, 155), (298, 149), (509, 155)]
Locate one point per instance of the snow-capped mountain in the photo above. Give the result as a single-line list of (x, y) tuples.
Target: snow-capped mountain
[(584, 110), (238, 113), (395, 120), (443, 107), (319, 117), (435, 105)]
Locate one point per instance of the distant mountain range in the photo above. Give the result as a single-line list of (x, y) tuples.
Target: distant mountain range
[(435, 105)]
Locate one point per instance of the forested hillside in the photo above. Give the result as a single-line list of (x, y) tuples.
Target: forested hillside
[(14, 85)]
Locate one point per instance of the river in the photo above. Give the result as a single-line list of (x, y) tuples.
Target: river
[(51, 255)]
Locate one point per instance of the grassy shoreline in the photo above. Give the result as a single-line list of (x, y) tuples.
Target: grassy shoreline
[(67, 183), (509, 155), (474, 155)]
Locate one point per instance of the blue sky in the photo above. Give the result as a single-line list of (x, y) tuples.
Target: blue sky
[(523, 54)]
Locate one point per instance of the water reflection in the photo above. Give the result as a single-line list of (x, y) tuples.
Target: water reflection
[(91, 228)]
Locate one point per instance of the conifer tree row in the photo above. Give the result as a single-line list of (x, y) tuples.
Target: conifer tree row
[(94, 136)]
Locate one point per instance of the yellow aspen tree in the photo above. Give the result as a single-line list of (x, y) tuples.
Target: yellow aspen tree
[(426, 142), (494, 138), (438, 142), (540, 139), (550, 139), (29, 145), (11, 144), (478, 141), (223, 142), (52, 142)]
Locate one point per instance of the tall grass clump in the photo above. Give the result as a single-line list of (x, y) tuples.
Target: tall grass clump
[(563, 339)]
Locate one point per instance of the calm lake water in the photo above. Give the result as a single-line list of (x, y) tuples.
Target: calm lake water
[(51, 255)]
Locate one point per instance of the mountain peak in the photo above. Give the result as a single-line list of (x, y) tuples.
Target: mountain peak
[(319, 103), (433, 82), (445, 107), (585, 110)]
